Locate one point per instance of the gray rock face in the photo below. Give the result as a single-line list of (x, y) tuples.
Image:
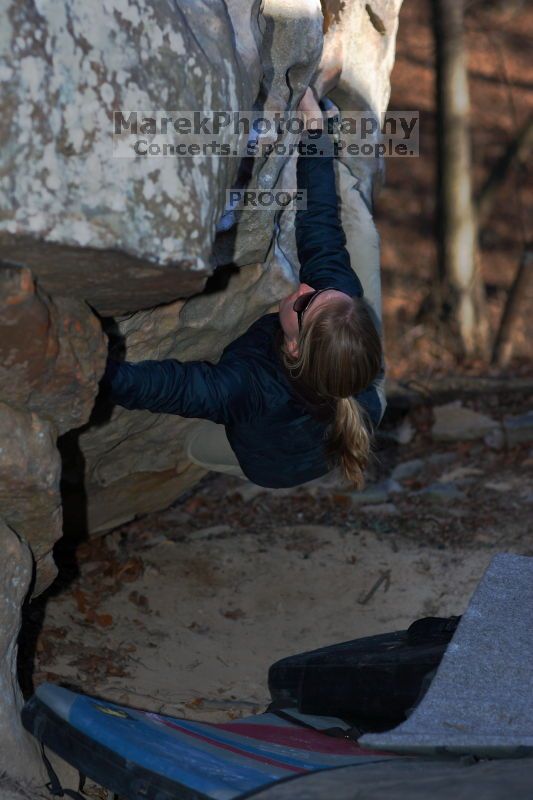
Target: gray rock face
[(52, 351), (30, 470), (359, 44), (122, 233), (19, 754), (289, 48)]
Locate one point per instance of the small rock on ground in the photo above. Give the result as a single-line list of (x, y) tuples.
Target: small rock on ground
[(440, 493), (454, 422)]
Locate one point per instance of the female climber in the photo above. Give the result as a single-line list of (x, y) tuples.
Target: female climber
[(299, 394)]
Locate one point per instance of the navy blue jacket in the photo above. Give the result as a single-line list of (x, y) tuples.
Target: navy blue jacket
[(274, 430)]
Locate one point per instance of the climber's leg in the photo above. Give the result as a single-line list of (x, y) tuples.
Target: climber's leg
[(207, 445), (362, 242)]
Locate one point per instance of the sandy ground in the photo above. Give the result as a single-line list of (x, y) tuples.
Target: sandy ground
[(183, 611), (220, 609)]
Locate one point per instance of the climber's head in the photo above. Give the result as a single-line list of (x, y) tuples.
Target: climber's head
[(330, 341), (337, 354), (290, 319)]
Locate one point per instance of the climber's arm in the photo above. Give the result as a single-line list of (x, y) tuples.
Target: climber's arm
[(191, 389), (320, 238)]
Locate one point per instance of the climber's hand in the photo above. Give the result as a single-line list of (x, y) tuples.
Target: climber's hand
[(311, 111)]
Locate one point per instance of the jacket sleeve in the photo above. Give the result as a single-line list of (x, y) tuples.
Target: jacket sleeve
[(373, 399), (320, 238), (191, 389)]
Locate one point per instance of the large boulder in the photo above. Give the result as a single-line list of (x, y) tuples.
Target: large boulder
[(30, 472), (122, 233), (146, 250), (52, 351)]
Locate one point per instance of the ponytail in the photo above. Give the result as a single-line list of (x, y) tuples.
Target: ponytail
[(350, 440)]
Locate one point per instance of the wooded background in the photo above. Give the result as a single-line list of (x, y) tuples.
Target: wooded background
[(456, 249)]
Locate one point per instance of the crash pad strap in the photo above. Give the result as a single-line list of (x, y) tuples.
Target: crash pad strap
[(54, 784)]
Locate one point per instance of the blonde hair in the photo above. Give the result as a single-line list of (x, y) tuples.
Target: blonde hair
[(339, 355)]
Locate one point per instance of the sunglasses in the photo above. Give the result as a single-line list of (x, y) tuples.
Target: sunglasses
[(302, 303)]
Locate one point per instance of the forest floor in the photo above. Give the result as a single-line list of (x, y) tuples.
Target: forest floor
[(183, 611)]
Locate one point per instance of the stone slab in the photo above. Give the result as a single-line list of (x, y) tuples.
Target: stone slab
[(481, 699)]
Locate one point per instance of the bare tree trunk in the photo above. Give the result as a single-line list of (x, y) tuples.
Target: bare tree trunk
[(458, 258)]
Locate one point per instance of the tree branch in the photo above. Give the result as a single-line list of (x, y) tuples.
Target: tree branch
[(516, 152), (502, 347)]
